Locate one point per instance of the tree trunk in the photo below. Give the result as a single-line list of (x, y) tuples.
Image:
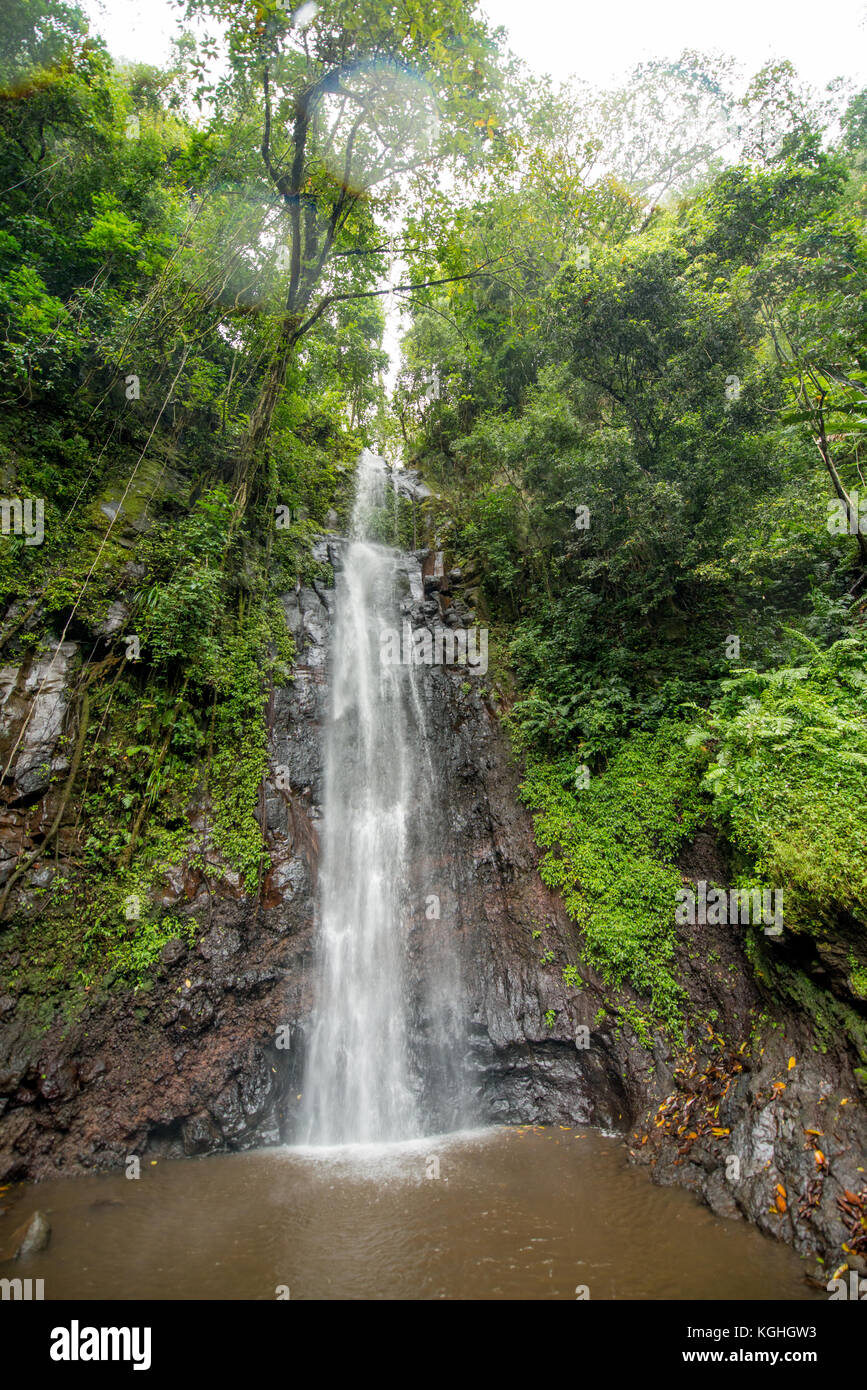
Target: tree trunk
[(821, 441), (259, 427)]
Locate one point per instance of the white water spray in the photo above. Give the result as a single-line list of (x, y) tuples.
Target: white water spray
[(362, 1082)]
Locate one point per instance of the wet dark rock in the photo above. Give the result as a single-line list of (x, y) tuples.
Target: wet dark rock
[(61, 1081), (114, 619), (90, 1070), (200, 1135), (228, 1113), (172, 952), (407, 483), (33, 716), (220, 943)]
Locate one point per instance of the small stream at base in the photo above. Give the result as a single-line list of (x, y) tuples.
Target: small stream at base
[(507, 1213)]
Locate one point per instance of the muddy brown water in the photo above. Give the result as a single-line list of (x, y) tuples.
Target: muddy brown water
[(495, 1214)]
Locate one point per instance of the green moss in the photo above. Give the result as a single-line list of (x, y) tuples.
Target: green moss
[(640, 1023), (64, 961), (260, 652), (832, 1020), (857, 977), (151, 746), (134, 956)]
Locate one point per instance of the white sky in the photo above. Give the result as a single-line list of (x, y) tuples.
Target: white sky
[(602, 39), (605, 38)]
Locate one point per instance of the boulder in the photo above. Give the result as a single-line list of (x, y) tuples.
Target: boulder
[(29, 1238)]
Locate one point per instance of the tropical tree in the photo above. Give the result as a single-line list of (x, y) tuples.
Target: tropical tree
[(346, 101)]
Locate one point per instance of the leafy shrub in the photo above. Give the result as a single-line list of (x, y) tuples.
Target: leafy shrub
[(611, 849), (789, 776)]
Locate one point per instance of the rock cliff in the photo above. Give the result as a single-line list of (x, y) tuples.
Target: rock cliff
[(210, 1057)]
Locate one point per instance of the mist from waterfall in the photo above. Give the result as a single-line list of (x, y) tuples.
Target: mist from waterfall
[(386, 1034)]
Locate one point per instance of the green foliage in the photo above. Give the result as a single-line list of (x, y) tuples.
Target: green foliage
[(789, 777), (590, 281), (127, 953), (241, 756), (180, 612), (643, 409), (126, 230), (641, 1025), (610, 852), (833, 1020)]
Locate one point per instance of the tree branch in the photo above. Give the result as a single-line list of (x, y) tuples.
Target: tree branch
[(330, 299)]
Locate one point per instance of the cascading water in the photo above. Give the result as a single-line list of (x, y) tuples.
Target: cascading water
[(383, 1022)]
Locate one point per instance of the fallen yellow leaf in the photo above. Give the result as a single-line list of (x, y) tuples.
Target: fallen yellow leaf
[(792, 1063)]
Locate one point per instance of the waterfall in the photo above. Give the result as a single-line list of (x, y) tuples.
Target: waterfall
[(386, 1013)]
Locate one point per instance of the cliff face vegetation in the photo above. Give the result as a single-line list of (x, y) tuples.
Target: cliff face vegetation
[(634, 385), (645, 434)]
